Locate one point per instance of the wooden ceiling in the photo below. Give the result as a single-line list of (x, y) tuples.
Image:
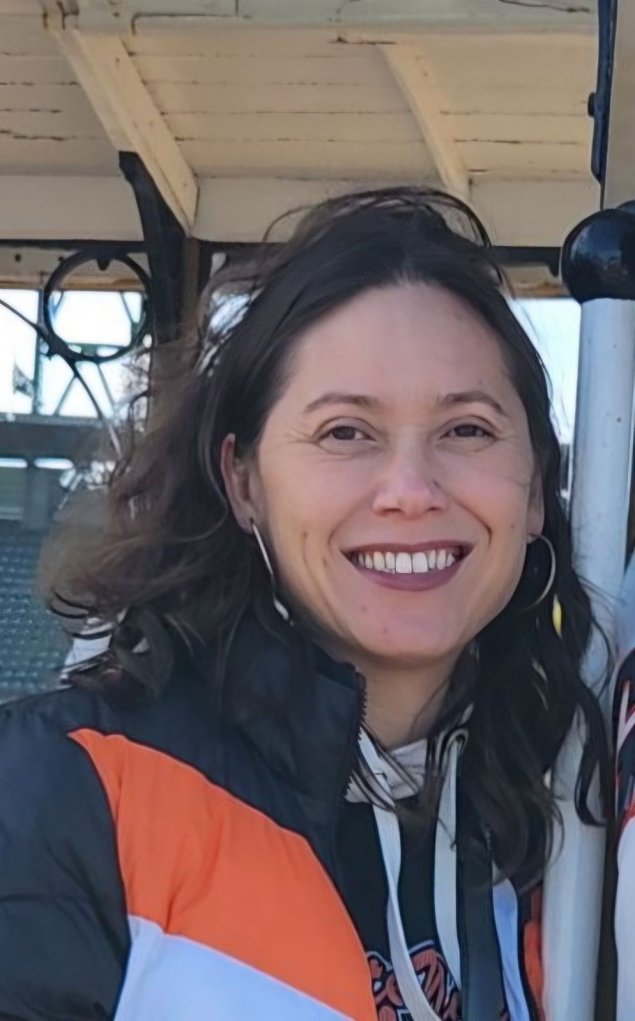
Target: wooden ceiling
[(241, 109)]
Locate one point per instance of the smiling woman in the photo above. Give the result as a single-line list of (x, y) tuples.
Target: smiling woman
[(317, 771), (413, 451)]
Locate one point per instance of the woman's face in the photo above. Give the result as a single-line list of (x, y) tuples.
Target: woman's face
[(395, 481)]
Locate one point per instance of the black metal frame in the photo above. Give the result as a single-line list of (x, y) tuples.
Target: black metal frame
[(165, 249)]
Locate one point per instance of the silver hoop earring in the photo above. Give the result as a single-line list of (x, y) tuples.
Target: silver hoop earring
[(280, 607), (552, 573)]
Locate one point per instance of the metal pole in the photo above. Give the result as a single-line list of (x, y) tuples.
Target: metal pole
[(602, 456), (598, 267), (38, 357)]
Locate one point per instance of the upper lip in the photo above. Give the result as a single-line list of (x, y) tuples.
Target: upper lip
[(405, 547)]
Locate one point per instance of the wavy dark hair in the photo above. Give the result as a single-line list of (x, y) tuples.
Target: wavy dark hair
[(170, 567)]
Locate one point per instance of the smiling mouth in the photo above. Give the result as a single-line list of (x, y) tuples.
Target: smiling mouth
[(403, 562)]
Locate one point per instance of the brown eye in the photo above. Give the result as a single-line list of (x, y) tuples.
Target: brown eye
[(470, 431), (345, 433)]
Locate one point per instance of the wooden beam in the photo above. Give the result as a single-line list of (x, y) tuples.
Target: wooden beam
[(48, 207), (421, 94), (381, 13), (519, 212), (129, 115)]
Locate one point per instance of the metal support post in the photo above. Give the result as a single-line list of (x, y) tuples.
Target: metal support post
[(598, 267), (165, 242)]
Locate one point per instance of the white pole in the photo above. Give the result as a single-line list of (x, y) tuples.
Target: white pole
[(598, 269), (602, 456)]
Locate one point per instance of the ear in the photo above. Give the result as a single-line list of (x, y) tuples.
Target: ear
[(536, 508), (237, 477)]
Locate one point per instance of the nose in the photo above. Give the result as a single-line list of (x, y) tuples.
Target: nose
[(409, 485)]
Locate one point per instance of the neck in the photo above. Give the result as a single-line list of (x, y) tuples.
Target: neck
[(403, 704)]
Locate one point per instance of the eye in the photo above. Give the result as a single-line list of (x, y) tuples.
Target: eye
[(345, 433), (470, 431)]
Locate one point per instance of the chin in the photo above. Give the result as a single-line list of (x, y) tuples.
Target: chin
[(407, 649)]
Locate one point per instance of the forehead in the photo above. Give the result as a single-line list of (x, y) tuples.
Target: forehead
[(403, 343)]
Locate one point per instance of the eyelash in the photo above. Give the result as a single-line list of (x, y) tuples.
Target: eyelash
[(478, 432), (483, 432), (330, 433)]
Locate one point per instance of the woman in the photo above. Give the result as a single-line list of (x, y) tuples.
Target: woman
[(310, 777)]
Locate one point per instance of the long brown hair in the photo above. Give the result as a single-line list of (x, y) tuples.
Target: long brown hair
[(170, 567)]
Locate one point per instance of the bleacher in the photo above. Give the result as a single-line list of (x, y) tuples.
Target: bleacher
[(32, 643)]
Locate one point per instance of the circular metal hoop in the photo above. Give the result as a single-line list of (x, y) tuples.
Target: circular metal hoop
[(552, 573), (280, 607), (93, 253)]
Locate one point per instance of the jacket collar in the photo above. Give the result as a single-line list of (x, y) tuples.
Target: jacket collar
[(300, 709)]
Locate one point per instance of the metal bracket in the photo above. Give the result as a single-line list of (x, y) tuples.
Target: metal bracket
[(165, 246)]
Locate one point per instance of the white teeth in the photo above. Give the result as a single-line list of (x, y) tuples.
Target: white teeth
[(403, 563), (420, 563)]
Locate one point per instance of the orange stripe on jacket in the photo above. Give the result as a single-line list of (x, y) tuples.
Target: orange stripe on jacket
[(532, 939), (203, 864)]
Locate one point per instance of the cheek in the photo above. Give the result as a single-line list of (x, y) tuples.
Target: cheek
[(499, 496), (304, 492), (299, 516)]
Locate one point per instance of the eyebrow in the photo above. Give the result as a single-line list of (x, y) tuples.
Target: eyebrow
[(450, 400), (472, 397), (337, 397)]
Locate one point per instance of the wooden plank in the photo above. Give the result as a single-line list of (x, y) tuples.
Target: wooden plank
[(527, 212), (129, 115), (156, 37), (31, 267), (189, 98), (400, 14), (522, 127), (398, 160), (34, 96), (49, 208), (360, 69), (526, 159), (55, 155), (20, 7), (422, 94), (52, 123), (29, 70), (505, 62), (25, 36), (412, 13), (522, 212), (524, 99), (241, 209), (294, 127), (116, 16), (539, 58)]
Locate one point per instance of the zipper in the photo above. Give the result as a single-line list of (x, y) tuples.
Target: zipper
[(352, 745)]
